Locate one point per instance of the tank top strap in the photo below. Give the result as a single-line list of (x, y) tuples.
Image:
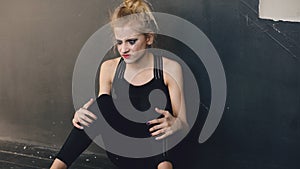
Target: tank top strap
[(120, 70), (158, 67)]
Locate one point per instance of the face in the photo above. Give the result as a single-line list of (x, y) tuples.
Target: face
[(131, 44)]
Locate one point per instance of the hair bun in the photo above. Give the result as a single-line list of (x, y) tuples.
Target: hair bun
[(132, 4)]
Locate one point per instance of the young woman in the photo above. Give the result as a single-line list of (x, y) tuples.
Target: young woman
[(143, 72)]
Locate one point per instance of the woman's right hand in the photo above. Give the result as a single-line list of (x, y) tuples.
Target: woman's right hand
[(83, 117)]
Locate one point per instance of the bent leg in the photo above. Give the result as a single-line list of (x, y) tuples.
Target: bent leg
[(75, 144)]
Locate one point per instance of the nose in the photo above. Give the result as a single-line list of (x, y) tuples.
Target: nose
[(124, 48)]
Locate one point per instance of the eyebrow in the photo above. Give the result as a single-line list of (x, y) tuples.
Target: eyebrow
[(133, 38), (129, 39)]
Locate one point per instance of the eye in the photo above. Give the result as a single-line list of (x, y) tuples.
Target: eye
[(118, 42), (132, 41)]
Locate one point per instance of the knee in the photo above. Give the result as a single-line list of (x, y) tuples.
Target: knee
[(165, 165)]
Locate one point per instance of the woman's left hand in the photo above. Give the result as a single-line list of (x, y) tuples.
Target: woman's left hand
[(164, 126)]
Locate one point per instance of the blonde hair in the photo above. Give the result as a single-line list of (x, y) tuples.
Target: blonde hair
[(135, 11)]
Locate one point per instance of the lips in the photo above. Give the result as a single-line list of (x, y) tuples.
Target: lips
[(126, 56)]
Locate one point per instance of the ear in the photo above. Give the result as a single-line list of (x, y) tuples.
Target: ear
[(149, 38)]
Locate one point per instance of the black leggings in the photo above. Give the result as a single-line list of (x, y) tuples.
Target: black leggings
[(75, 144), (78, 141)]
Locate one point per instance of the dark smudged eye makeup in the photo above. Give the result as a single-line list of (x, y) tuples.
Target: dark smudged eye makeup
[(130, 41), (118, 42)]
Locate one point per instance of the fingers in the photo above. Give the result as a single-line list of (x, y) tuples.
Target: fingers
[(84, 117), (76, 124), (155, 121), (162, 133), (84, 123), (163, 112), (157, 127), (88, 116), (88, 104), (79, 123), (158, 132), (167, 133), (163, 126)]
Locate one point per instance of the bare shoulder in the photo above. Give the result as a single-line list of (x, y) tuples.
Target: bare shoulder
[(171, 66), (172, 71), (108, 69), (106, 75), (110, 64)]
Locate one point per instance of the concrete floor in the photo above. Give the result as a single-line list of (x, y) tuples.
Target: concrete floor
[(27, 155)]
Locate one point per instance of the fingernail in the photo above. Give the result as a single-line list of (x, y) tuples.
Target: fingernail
[(148, 123)]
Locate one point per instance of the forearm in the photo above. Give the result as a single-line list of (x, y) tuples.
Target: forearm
[(180, 124)]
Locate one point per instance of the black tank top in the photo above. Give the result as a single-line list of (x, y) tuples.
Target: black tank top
[(139, 98)]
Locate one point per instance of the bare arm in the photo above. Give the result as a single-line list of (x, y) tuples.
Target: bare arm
[(82, 116), (107, 72), (171, 123), (174, 80)]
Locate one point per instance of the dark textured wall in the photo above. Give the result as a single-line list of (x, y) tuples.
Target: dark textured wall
[(41, 39)]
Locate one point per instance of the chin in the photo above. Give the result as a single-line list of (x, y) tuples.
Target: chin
[(132, 60), (129, 61)]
